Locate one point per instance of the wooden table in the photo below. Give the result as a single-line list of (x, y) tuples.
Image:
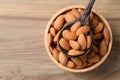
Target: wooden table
[(22, 52)]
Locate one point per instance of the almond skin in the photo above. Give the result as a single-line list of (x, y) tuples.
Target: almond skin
[(49, 39), (83, 58), (58, 24), (94, 22), (98, 28), (77, 62), (74, 44), (53, 31), (94, 59), (70, 64), (69, 17), (95, 48), (80, 11), (62, 59), (64, 44), (55, 54), (98, 36), (103, 48), (75, 27), (56, 37), (75, 13), (74, 52), (82, 41), (69, 35), (106, 35), (89, 41), (91, 54), (83, 30)]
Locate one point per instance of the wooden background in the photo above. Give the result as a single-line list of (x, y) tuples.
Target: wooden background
[(22, 52)]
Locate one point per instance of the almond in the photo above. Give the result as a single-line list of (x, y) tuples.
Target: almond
[(77, 62), (91, 16), (95, 48), (55, 54), (51, 49), (95, 59), (74, 44), (69, 17), (70, 64), (83, 30), (74, 52), (64, 44), (84, 65), (98, 36), (82, 41), (58, 24), (94, 22), (49, 39), (80, 11), (56, 37), (69, 35), (62, 59), (75, 26), (89, 64), (53, 31), (83, 58), (89, 41), (98, 28), (106, 34), (103, 48), (91, 54), (75, 13)]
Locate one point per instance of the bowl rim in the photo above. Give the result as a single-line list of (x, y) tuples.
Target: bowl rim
[(88, 68)]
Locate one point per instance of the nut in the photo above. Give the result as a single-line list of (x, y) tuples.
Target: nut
[(58, 24), (64, 44), (49, 39), (55, 54), (83, 30), (62, 59), (70, 64), (103, 48), (98, 28), (74, 52), (69, 35), (106, 34), (69, 17), (75, 13), (89, 41), (82, 41), (74, 44), (52, 31), (98, 36), (94, 59), (75, 26)]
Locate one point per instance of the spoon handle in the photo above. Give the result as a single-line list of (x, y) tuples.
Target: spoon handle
[(85, 15)]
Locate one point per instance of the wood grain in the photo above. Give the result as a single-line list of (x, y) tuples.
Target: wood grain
[(22, 52)]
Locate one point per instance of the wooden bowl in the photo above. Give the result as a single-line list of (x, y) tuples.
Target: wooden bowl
[(88, 68)]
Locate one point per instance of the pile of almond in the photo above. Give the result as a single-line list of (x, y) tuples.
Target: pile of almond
[(76, 40)]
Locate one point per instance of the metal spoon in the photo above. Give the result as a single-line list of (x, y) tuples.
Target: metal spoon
[(84, 19)]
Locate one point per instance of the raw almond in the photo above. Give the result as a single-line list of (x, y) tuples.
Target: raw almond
[(94, 22), (69, 35), (103, 48), (95, 59), (106, 34), (75, 13), (98, 28), (91, 54), (58, 24), (98, 36), (83, 30), (89, 64), (80, 11), (89, 41), (56, 37), (77, 62), (55, 54), (82, 41), (53, 31), (74, 44), (91, 16), (64, 44), (95, 48), (49, 39), (75, 26), (74, 52), (83, 58), (69, 17), (63, 59), (70, 64)]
